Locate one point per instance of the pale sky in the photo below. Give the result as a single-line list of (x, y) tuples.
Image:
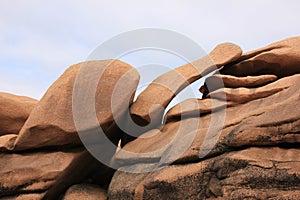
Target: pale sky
[(40, 39)]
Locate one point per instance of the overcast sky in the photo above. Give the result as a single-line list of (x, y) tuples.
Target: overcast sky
[(40, 39)]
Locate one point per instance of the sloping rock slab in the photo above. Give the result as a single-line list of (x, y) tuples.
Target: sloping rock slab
[(253, 173), (47, 174)]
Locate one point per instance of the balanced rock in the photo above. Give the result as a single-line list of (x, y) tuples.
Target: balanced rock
[(14, 111), (51, 123), (148, 109)]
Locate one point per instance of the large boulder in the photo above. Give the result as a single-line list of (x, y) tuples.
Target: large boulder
[(14, 111), (51, 123)]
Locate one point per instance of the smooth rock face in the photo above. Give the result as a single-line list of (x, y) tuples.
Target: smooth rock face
[(245, 174), (86, 192), (51, 123), (14, 111), (280, 58)]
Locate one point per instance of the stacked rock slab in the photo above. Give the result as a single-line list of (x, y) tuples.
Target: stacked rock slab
[(253, 154)]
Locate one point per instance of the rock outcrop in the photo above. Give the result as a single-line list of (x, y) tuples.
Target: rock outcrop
[(240, 141)]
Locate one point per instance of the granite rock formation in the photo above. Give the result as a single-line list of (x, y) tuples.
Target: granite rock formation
[(240, 141)]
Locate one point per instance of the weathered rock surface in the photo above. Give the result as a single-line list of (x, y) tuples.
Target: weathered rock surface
[(14, 111), (51, 123), (245, 174), (85, 192)]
